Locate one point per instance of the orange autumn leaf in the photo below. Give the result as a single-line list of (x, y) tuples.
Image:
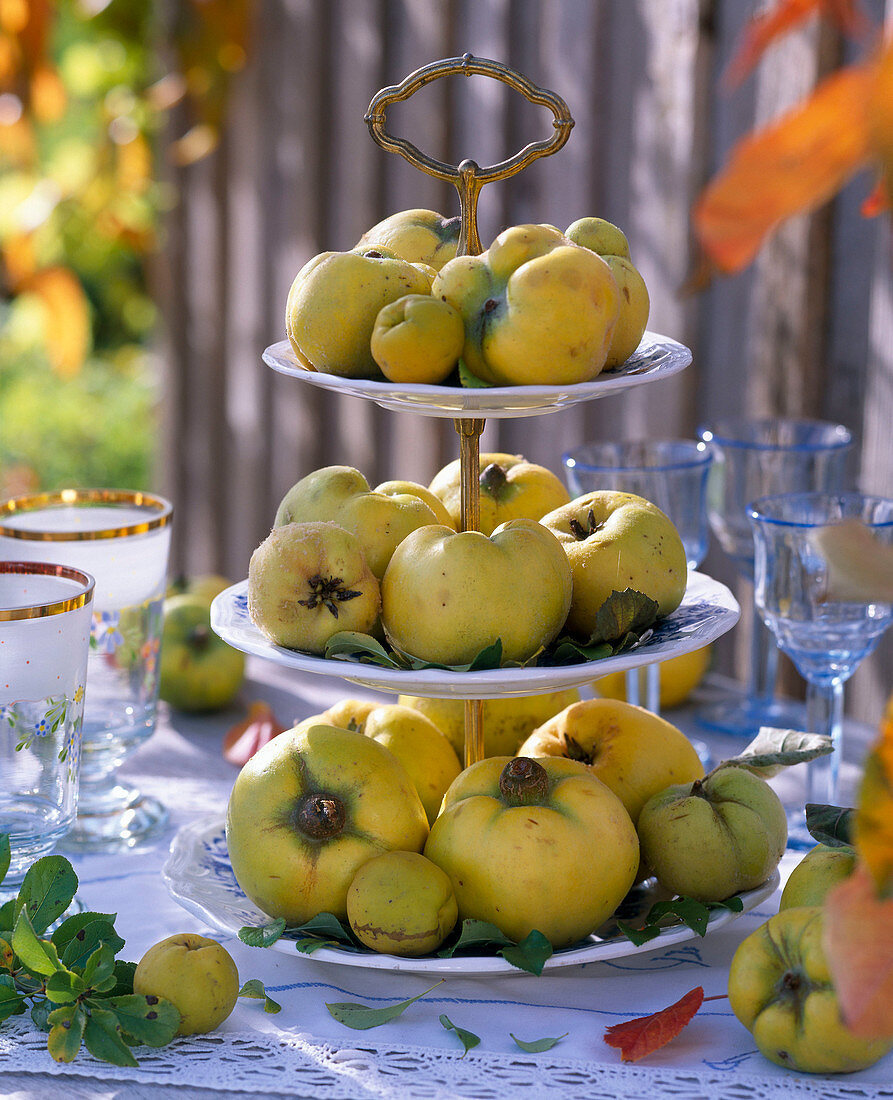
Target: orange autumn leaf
[(858, 943), (790, 167), (768, 26), (68, 331), (198, 142), (637, 1038), (20, 259), (880, 116), (49, 98), (874, 813)]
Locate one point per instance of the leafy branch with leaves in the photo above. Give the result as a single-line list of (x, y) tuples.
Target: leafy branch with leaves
[(76, 990), (62, 968)]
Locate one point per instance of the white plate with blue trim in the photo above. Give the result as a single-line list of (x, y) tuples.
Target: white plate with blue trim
[(707, 611), (200, 877)]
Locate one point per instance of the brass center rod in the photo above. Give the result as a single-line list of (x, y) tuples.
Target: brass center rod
[(468, 178), (470, 494)]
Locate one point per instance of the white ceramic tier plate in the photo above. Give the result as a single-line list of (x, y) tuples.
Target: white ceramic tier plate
[(656, 357), (708, 611), (200, 877)]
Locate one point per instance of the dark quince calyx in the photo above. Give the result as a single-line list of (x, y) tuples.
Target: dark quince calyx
[(320, 816), (581, 533), (329, 591), (523, 782), (493, 480), (573, 750)]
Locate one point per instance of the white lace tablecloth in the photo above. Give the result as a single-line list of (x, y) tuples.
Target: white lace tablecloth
[(303, 1052)]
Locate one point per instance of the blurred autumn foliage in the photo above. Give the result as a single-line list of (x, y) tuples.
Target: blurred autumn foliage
[(805, 157), (90, 108)]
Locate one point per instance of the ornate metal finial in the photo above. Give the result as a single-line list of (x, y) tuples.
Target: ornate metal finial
[(468, 177)]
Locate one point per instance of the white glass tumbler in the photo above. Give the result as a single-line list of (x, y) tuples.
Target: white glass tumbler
[(122, 537), (45, 616)]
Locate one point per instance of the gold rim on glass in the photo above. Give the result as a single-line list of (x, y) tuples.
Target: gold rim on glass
[(57, 607), (17, 506)]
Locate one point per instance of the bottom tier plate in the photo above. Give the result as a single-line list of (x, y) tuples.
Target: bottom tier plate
[(200, 877), (707, 612)]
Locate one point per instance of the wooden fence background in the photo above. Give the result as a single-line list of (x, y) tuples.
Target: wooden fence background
[(806, 330)]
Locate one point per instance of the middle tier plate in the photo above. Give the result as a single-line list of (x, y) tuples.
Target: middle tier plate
[(707, 612)]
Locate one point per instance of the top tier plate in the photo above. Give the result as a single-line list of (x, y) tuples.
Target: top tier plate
[(656, 357)]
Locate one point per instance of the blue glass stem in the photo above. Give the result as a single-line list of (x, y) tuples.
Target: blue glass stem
[(824, 714), (632, 686), (763, 671), (650, 674)]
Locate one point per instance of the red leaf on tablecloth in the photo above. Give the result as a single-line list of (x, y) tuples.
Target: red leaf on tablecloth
[(858, 942), (242, 740), (646, 1034)]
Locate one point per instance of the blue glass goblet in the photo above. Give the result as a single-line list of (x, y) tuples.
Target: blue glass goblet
[(753, 459), (826, 634)]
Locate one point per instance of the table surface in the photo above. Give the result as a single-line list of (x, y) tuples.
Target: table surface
[(303, 1052)]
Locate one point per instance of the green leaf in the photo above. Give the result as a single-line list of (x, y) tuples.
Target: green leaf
[(682, 910), (47, 891), (362, 1017), (530, 954), (471, 381), (63, 986), (88, 940), (8, 915), (537, 1046), (638, 936), (254, 988), (622, 614), (40, 1013), (39, 956), (489, 657), (772, 750), (467, 1038), (348, 645), (12, 1002), (99, 972), (262, 935), (67, 1026), (150, 1020), (325, 924), (568, 651), (308, 944), (831, 825), (324, 930), (102, 1037), (5, 855), (475, 935), (69, 928), (123, 975)]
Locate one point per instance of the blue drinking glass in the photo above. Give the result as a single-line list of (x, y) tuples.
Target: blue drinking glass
[(755, 458), (672, 474), (824, 634)]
